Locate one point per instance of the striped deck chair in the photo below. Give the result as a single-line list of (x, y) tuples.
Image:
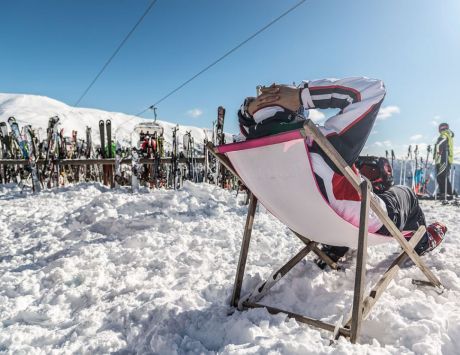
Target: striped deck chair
[(277, 171)]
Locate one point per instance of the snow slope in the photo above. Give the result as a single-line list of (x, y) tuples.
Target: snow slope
[(36, 110), (86, 270)]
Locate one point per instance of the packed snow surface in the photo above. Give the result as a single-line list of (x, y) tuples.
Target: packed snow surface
[(85, 269)]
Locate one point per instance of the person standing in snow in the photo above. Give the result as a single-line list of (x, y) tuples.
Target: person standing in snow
[(277, 109), (443, 157)]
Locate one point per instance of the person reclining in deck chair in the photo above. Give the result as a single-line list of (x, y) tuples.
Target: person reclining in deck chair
[(359, 99)]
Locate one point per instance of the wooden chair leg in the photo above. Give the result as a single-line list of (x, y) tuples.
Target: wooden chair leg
[(357, 313), (263, 287), (407, 247), (244, 250), (386, 278), (331, 263), (301, 318)]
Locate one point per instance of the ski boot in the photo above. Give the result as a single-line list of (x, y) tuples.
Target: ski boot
[(335, 253), (435, 234)]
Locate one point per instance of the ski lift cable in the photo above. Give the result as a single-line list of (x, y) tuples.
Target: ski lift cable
[(154, 106), (223, 56), (115, 52)]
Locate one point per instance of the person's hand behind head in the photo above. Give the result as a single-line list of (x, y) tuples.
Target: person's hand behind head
[(276, 95)]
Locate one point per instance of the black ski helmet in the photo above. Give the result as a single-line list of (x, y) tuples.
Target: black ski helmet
[(443, 127)]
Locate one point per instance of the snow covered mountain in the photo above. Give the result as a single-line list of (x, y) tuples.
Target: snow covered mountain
[(36, 110)]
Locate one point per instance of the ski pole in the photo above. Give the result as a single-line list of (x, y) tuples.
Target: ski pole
[(425, 173), (401, 171), (453, 179), (392, 158), (414, 166), (446, 176)]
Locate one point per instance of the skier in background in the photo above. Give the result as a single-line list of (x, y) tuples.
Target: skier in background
[(443, 157), (276, 110)]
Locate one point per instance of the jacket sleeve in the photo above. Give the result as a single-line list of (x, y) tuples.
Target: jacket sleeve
[(441, 148), (359, 101)]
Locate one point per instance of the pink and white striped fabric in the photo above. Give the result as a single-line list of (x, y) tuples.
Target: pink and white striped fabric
[(278, 170)]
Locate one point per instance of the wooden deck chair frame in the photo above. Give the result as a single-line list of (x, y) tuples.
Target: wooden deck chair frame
[(361, 306)]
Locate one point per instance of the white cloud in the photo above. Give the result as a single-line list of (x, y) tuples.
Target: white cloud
[(316, 115), (435, 121), (196, 112), (422, 148), (386, 144), (416, 137), (388, 111), (378, 148), (374, 132)]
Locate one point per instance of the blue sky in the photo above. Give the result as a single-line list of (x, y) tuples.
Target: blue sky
[(55, 48)]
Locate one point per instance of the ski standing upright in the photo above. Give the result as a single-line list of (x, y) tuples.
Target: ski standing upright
[(220, 138), (135, 170)]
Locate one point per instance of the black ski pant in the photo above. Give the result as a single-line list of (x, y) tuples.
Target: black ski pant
[(402, 208), (443, 178)]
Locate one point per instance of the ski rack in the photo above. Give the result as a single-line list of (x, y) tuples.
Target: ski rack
[(166, 160), (109, 163)]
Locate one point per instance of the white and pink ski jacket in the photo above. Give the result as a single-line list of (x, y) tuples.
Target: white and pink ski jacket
[(359, 100)]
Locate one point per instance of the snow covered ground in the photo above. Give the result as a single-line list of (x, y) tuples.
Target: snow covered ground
[(85, 269)]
